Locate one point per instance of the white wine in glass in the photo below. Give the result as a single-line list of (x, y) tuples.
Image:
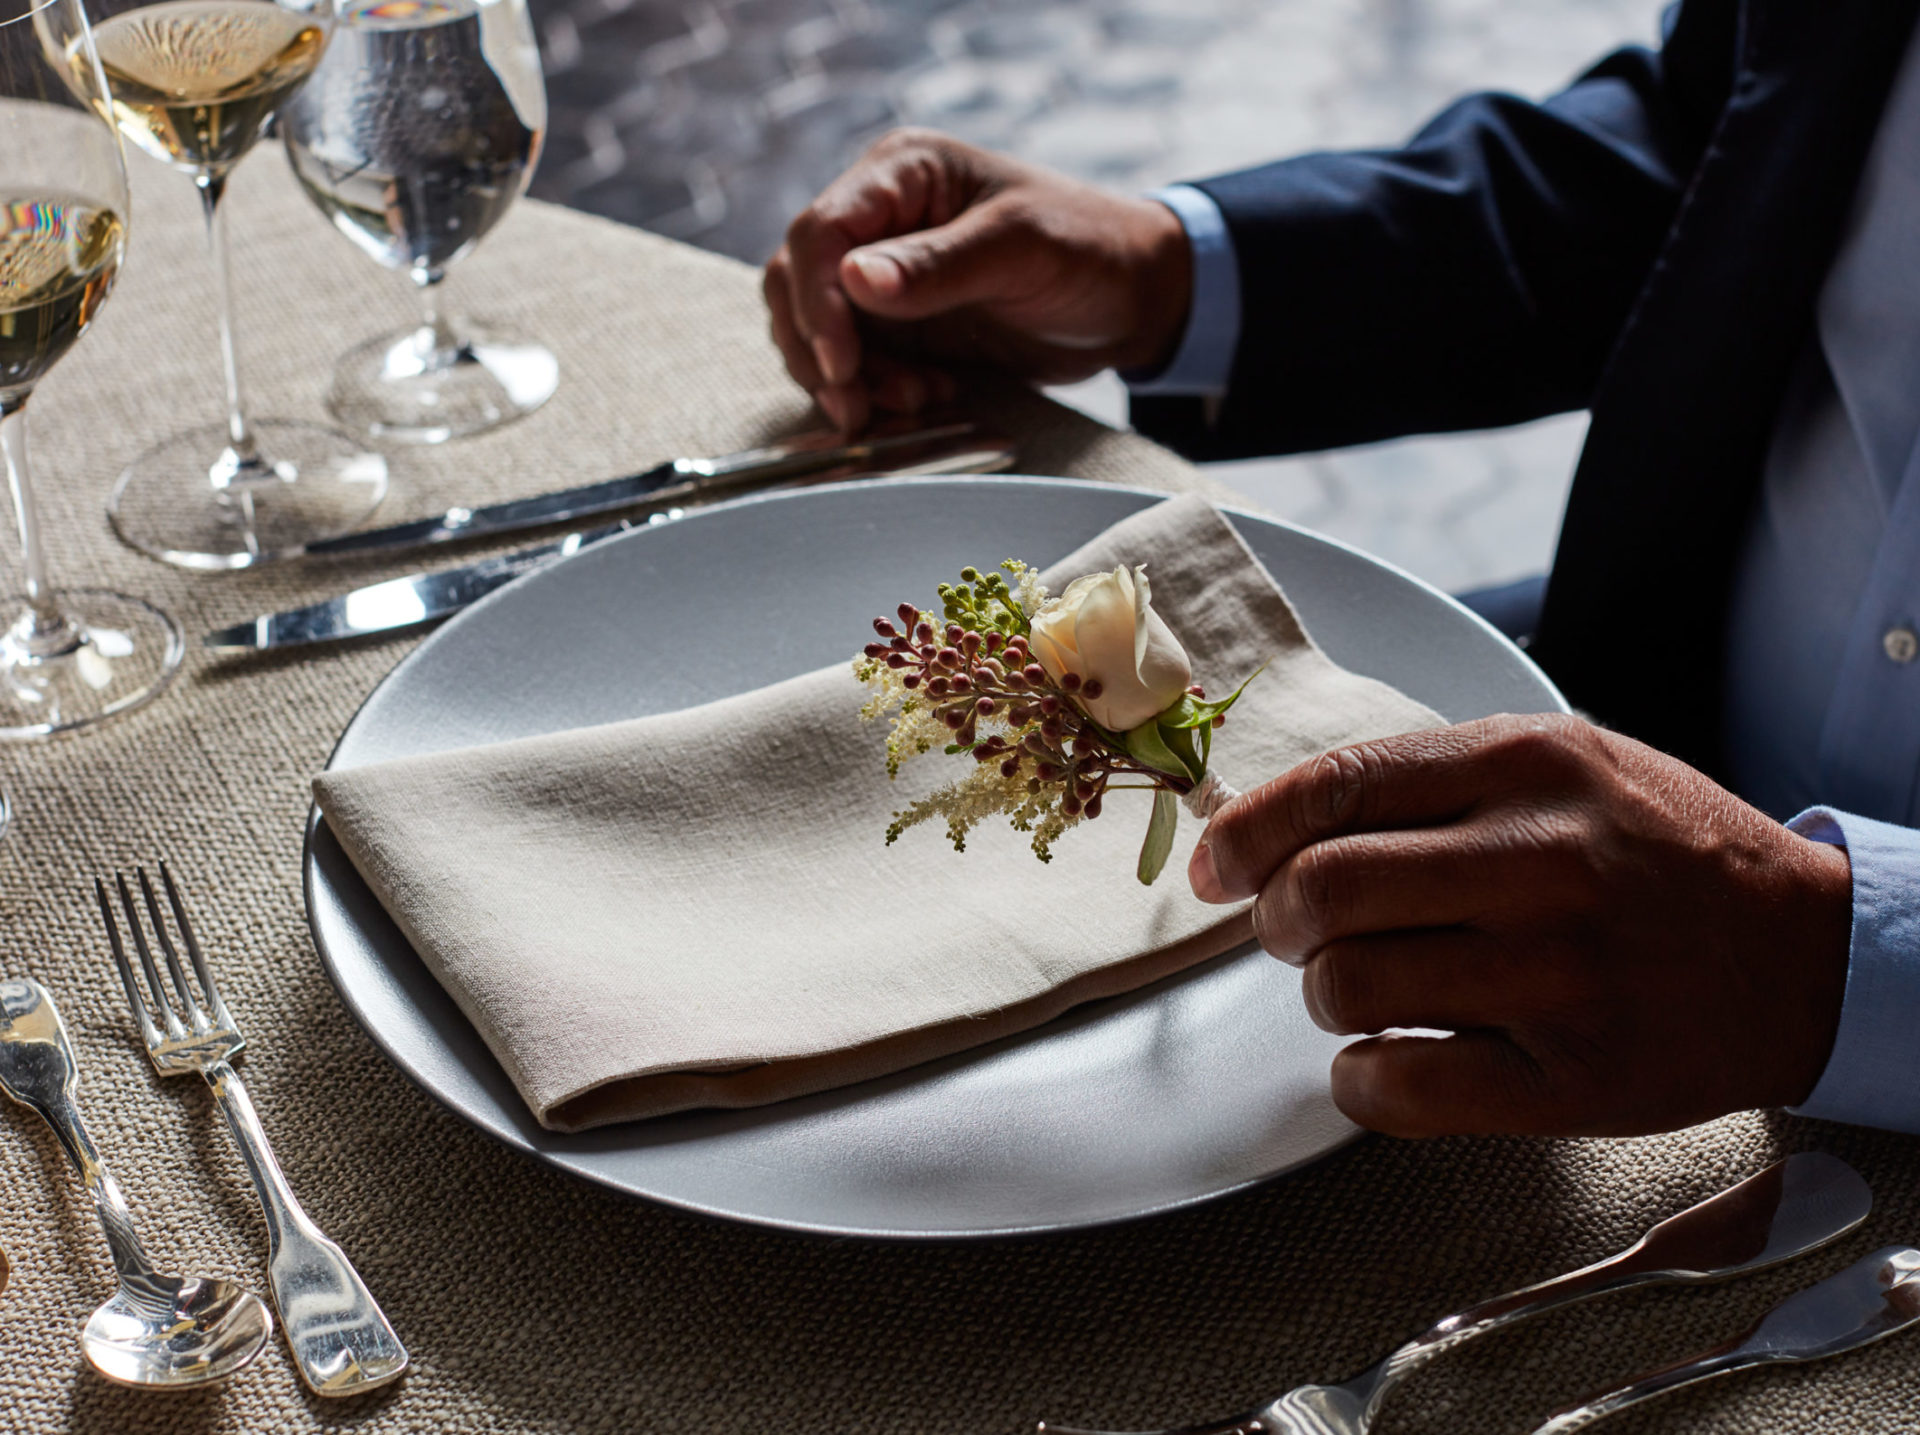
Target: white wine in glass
[(71, 657), (419, 129), (193, 83), (194, 80)]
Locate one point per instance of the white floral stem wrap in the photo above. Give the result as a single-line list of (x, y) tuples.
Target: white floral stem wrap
[(1208, 797)]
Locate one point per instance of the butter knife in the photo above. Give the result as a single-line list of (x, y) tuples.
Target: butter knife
[(677, 480), (423, 598)]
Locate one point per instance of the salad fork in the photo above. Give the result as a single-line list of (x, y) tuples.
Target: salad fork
[(1793, 1207), (341, 1342)]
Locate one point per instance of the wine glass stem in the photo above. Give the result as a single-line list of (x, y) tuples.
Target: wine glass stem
[(239, 436), (445, 340), (47, 621)]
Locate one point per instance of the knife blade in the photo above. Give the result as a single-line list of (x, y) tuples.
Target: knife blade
[(675, 481), (423, 598)]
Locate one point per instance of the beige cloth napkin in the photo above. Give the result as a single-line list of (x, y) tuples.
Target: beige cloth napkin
[(698, 909)]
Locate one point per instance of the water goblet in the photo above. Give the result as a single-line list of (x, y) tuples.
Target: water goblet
[(419, 129)]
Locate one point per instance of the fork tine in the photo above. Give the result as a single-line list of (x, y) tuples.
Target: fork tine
[(207, 983), (149, 1033), (188, 1001), (168, 1019)]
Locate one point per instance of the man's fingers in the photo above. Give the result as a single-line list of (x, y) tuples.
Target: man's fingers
[(903, 388), (821, 312), (1452, 979), (1469, 1084), (847, 405), (986, 253), (797, 353), (1390, 881), (905, 182), (1415, 779)]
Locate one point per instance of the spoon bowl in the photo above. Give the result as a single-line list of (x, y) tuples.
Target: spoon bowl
[(166, 1331), (156, 1329)]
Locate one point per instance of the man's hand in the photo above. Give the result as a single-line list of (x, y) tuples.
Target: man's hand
[(1618, 945), (929, 250)]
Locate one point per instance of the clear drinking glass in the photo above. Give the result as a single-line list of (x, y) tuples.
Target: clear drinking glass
[(420, 128), (71, 657), (194, 82)]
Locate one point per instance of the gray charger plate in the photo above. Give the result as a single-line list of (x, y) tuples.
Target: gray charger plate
[(1200, 1085)]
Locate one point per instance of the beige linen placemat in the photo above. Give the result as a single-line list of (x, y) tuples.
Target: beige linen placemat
[(697, 908)]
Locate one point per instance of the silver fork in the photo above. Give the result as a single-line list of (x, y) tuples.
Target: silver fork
[(1793, 1207), (341, 1342)]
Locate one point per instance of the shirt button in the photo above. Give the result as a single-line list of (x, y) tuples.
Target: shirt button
[(1902, 644)]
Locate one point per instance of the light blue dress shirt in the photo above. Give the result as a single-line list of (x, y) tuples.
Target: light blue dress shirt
[(1823, 649)]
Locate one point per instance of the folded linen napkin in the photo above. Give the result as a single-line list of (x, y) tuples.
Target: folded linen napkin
[(698, 908)]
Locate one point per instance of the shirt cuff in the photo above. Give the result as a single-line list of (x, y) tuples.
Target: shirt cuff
[(1873, 1076), (1203, 363)]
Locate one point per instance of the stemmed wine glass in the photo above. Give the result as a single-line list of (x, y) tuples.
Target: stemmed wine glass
[(193, 83), (72, 657), (420, 128)]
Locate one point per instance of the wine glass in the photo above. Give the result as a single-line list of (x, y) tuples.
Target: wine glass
[(419, 129), (72, 657), (193, 83)]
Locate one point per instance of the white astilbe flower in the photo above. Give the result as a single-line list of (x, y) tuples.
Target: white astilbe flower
[(981, 794), (1028, 591), (915, 728)]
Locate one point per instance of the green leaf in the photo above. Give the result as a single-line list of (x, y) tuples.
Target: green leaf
[(1159, 843), (1192, 712), (1148, 745), (1180, 742)]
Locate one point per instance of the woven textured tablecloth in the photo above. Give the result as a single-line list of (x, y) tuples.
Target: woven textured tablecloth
[(535, 1302)]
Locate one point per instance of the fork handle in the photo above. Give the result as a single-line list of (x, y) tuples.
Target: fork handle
[(341, 1342)]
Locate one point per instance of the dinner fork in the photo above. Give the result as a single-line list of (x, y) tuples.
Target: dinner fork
[(1793, 1207), (341, 1342)]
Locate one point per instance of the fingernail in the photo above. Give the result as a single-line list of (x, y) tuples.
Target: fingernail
[(1204, 876), (880, 271)]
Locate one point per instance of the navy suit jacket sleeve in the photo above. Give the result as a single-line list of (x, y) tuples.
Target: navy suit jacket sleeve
[(1476, 277)]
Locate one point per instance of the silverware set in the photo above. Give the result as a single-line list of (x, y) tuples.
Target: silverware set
[(420, 598), (159, 1330), (1792, 1208)]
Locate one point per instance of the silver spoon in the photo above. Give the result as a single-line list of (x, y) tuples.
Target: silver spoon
[(1794, 1206), (155, 1329), (1868, 1301)]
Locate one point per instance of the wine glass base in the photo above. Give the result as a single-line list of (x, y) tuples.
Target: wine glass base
[(181, 502), (401, 389), (116, 654)]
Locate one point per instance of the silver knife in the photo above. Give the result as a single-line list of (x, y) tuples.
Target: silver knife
[(423, 598), (676, 481)]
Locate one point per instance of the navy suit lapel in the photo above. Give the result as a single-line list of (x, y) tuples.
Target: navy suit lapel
[(1636, 607)]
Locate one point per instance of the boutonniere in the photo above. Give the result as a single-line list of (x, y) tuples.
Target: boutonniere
[(1057, 701)]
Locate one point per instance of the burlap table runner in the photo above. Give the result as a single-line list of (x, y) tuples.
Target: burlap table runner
[(535, 1302)]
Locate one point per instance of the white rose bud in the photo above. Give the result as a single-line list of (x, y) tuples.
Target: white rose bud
[(1104, 630)]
